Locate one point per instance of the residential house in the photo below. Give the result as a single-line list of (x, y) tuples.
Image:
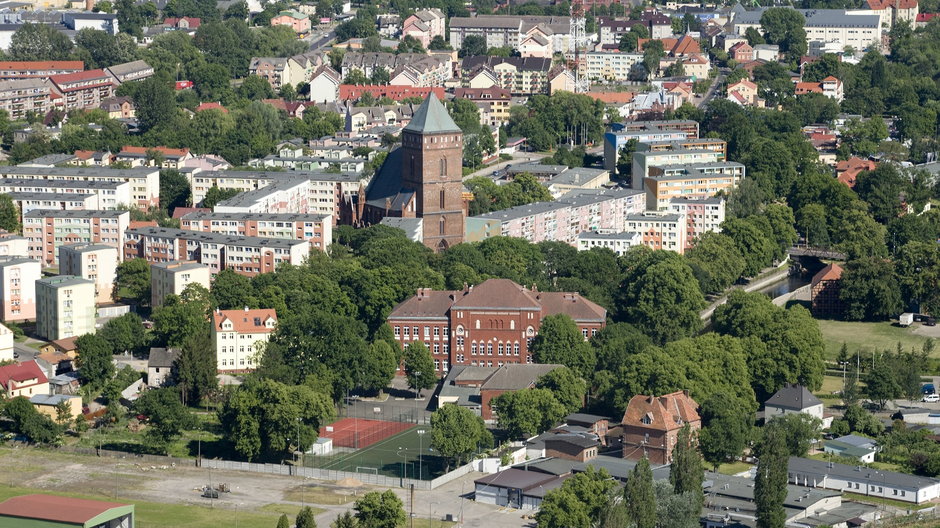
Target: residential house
[(793, 398), (651, 425), (825, 288), (744, 93), (18, 276), (65, 307), (741, 52), (78, 21), (324, 85), (404, 69), (852, 446), (424, 25), (295, 20), (183, 23), (119, 107), (580, 448), (660, 230), (278, 71), (610, 65), (509, 31), (830, 87), (23, 379), (847, 171), (858, 29), (645, 160), (84, 89), (238, 337), (161, 366), (144, 183), (767, 52), (171, 278), (537, 43), (13, 245), (352, 92), (55, 194), (95, 262), (900, 11), (862, 480), (644, 132), (492, 323), (50, 405), (660, 25)]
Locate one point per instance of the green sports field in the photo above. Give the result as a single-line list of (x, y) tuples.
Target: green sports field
[(396, 456)]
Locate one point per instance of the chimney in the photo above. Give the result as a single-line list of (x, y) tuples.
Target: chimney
[(246, 308)]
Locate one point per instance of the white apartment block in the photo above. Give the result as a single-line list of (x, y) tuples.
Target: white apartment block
[(144, 182), (702, 216), (619, 243), (13, 245), (317, 229), (643, 161), (282, 196), (859, 28), (108, 194), (48, 229), (173, 277), (510, 30), (95, 262), (658, 230), (65, 307), (239, 337), (27, 201), (611, 65), (18, 276)]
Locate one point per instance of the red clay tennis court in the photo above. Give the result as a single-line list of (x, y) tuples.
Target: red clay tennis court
[(360, 432)]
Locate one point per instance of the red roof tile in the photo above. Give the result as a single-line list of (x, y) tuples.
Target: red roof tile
[(665, 413), (831, 272), (211, 106), (20, 372), (79, 76), (56, 509), (168, 152), (42, 65), (243, 321)]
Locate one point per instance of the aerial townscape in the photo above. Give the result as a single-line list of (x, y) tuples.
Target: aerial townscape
[(482, 263)]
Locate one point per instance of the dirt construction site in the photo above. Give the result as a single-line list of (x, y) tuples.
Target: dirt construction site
[(173, 488)]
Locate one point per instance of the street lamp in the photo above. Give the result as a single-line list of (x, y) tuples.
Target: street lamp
[(420, 451)]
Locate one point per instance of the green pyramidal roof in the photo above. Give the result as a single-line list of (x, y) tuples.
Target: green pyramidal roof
[(431, 118)]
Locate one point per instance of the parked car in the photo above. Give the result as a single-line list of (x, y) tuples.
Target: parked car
[(905, 319), (928, 389), (931, 398)]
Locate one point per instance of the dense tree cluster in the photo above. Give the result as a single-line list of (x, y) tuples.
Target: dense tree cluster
[(489, 196)]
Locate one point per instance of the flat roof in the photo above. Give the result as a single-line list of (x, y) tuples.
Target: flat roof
[(888, 478), (624, 235), (61, 281), (214, 238), (96, 172), (79, 184), (54, 196), (273, 217), (178, 265), (76, 213), (82, 247)]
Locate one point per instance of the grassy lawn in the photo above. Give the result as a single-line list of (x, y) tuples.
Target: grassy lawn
[(734, 468), (160, 515), (887, 502), (207, 439), (37, 346), (867, 337)]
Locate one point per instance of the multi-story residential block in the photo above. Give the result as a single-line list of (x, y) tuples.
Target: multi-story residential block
[(295, 20), (660, 25), (38, 69), (718, 146), (48, 229), (145, 182), (119, 108), (324, 84), (651, 425), (281, 196), (405, 69), (610, 65), (613, 29), (153, 156), (490, 324), (644, 160), (95, 262), (18, 276), (317, 229), (424, 25), (130, 71), (894, 11), (360, 119), (689, 126), (494, 103), (352, 92), (696, 181), (278, 71), (171, 278), (561, 220), (701, 215), (107, 194), (619, 243), (12, 245), (858, 29), (29, 95), (519, 75), (652, 131), (510, 30), (239, 336), (27, 201), (242, 254), (660, 230), (84, 89), (65, 307)]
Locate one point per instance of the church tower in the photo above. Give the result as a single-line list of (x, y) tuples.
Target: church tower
[(432, 161)]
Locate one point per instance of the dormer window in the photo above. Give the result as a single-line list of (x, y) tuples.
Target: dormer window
[(647, 419)]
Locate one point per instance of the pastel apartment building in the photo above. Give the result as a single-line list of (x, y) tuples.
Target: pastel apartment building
[(144, 182), (27, 201), (297, 21), (317, 229), (239, 336), (95, 262), (65, 307), (12, 245), (171, 278), (38, 69), (561, 220), (644, 132), (494, 103), (18, 97), (149, 157), (278, 71), (84, 89), (242, 254), (610, 65), (660, 230), (424, 25), (520, 75), (861, 29), (18, 276), (619, 243), (644, 161), (702, 216), (699, 180), (511, 30), (23, 379), (48, 229), (67, 194), (404, 69), (137, 70), (490, 324)]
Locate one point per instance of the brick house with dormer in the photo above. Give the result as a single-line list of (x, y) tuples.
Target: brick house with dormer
[(651, 425), (491, 324)]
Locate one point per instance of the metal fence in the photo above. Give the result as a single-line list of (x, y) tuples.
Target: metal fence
[(140, 458)]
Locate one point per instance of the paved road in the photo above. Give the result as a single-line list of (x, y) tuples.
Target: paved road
[(524, 157), (322, 41), (713, 89)]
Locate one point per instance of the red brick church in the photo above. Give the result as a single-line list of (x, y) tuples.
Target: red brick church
[(422, 179), (489, 325)]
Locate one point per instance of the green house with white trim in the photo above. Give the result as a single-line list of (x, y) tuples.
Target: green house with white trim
[(53, 511)]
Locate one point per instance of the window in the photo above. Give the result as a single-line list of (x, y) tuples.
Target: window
[(515, 348), (437, 348), (415, 331), (443, 225), (442, 199), (460, 342), (437, 332), (398, 331), (443, 167), (427, 331), (473, 349), (489, 349), (407, 331), (584, 332)]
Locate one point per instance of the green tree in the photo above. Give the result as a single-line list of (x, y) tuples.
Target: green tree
[(155, 103), (639, 496), (255, 88), (9, 215), (726, 429), (785, 27), (752, 243), (174, 190), (39, 42), (167, 418), (559, 341), (124, 333), (652, 53), (305, 518), (196, 368), (378, 367), (283, 521), (686, 473), (457, 433), (567, 387), (419, 367), (29, 422), (215, 195), (881, 384), (346, 520), (438, 43), (663, 299), (232, 291), (870, 290), (715, 262), (770, 485), (95, 367), (380, 510), (472, 46), (579, 503), (132, 281), (798, 430), (527, 412), (181, 316)]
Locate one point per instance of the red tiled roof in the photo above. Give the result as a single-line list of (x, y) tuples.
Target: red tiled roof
[(79, 76), (740, 45), (495, 93), (84, 154), (56, 509), (665, 413), (211, 106), (194, 22), (180, 211), (243, 321), (168, 152), (66, 345), (847, 171), (612, 97), (42, 65), (831, 272), (20, 372), (926, 17), (878, 5), (807, 87), (135, 224), (743, 82)]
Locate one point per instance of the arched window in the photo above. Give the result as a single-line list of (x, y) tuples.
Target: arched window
[(473, 348), (442, 199), (443, 225), (512, 324), (489, 349), (443, 167), (515, 348)]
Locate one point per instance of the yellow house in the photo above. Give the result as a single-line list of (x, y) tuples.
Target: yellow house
[(48, 404)]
